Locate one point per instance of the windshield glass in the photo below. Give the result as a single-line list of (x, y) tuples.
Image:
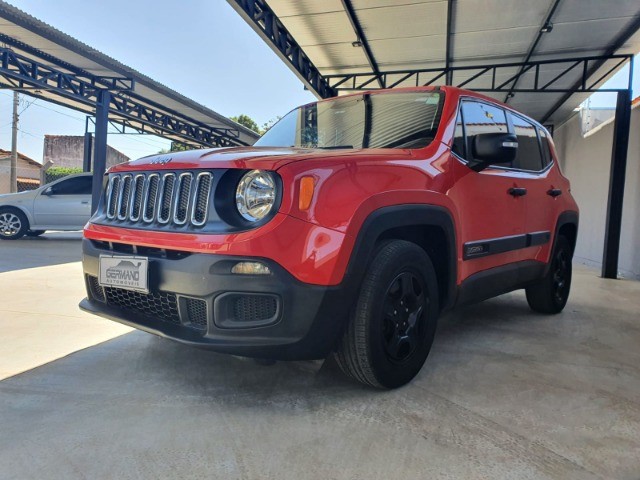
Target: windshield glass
[(389, 120)]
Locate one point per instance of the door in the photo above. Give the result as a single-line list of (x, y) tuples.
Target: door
[(533, 175), (490, 213), (65, 204)]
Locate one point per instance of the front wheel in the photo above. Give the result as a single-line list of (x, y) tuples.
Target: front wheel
[(13, 224), (392, 328), (550, 294)]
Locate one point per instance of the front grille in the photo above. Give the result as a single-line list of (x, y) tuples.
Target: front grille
[(254, 308), (159, 198)]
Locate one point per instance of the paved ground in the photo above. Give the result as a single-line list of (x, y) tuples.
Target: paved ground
[(505, 394)]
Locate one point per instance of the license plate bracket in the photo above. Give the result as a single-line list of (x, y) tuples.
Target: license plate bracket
[(124, 271)]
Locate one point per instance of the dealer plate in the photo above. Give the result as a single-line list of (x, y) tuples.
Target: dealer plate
[(130, 273)]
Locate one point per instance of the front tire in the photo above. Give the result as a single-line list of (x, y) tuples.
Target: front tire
[(13, 224), (550, 294), (392, 328)]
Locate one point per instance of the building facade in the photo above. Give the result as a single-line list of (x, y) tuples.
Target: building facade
[(68, 151)]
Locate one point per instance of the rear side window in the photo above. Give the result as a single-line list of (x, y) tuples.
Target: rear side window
[(528, 156), (482, 118), (546, 148), (73, 186)]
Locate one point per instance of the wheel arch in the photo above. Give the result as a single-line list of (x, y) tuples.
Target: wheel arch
[(431, 227), (22, 210)]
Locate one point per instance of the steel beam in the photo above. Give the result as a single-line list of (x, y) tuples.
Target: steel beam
[(621, 129), (449, 46), (266, 23), (361, 37), (100, 147), (532, 48), (87, 152)]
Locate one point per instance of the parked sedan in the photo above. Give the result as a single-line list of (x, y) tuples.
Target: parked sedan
[(61, 205)]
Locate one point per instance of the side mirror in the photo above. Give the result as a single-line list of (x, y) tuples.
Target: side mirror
[(48, 191), (493, 148)]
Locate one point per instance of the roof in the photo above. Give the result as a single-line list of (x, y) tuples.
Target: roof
[(359, 36), (7, 153), (58, 47)]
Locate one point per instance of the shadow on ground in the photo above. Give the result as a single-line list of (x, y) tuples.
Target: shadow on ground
[(51, 248)]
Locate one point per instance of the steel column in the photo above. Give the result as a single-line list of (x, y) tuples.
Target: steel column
[(621, 128), (87, 151), (100, 147)]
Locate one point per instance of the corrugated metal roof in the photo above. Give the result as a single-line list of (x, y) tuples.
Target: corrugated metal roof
[(47, 39), (412, 34)]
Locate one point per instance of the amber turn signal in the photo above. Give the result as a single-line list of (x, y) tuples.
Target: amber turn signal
[(307, 185)]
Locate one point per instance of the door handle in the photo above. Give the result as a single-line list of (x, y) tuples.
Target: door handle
[(517, 191), (554, 192), (84, 203)]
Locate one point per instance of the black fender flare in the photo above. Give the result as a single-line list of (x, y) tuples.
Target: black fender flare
[(386, 218)]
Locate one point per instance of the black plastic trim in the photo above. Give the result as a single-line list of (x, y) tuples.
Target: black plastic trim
[(493, 246)]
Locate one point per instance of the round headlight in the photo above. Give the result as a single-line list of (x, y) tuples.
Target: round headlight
[(255, 195)]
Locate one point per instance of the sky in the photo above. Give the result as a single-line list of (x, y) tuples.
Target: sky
[(200, 48)]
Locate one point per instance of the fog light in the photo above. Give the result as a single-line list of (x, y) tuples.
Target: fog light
[(250, 268)]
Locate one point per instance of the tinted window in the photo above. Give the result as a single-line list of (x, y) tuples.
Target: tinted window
[(389, 120), (528, 156), (73, 186), (546, 148), (482, 118), (458, 138)]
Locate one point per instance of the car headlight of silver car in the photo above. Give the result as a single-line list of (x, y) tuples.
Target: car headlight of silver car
[(256, 195)]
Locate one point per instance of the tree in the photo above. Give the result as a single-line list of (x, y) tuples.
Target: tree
[(176, 147), (247, 121)]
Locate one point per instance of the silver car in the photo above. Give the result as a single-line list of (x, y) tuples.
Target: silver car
[(61, 205)]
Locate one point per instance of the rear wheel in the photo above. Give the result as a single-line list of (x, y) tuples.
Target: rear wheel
[(392, 328), (34, 233), (13, 224), (550, 294)]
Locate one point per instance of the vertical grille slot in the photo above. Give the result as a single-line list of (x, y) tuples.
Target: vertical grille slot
[(151, 197), (183, 194), (112, 196), (201, 199), (136, 198), (124, 196), (166, 196)]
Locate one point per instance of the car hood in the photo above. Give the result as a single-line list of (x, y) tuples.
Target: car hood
[(263, 158), (11, 197)]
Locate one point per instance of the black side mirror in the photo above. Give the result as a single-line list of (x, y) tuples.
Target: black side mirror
[(493, 148)]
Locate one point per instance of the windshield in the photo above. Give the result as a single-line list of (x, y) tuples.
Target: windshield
[(389, 120)]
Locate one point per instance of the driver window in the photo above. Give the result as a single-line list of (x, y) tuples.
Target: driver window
[(482, 118)]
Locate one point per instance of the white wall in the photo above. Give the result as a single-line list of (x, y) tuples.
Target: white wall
[(586, 162)]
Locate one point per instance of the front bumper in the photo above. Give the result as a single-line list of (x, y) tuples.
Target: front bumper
[(195, 299)]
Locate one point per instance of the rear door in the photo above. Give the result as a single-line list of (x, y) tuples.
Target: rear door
[(66, 204), (491, 218), (531, 165)]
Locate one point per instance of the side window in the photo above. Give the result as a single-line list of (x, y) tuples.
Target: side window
[(482, 118), (546, 148), (73, 186), (528, 156), (457, 146)]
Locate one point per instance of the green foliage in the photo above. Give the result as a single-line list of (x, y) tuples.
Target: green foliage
[(176, 147), (247, 121), (54, 173)]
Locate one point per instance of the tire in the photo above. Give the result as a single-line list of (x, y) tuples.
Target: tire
[(384, 346), (550, 294), (34, 233), (13, 224)]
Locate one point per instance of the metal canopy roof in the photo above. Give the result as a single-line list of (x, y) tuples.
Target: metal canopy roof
[(338, 37), (137, 100)]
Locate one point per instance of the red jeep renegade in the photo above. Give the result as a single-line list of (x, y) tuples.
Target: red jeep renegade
[(346, 230)]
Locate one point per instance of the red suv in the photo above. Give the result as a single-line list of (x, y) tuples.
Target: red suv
[(345, 230)]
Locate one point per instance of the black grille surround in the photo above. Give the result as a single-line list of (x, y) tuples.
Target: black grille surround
[(181, 201)]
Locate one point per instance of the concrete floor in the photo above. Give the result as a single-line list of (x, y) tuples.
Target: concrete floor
[(505, 394)]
